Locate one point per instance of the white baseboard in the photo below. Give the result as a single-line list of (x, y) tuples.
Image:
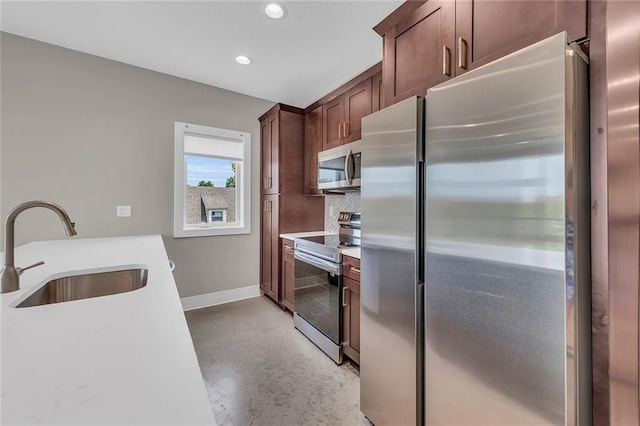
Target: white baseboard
[(219, 297)]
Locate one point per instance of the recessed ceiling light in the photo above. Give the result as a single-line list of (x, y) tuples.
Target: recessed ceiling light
[(275, 10), (243, 60)]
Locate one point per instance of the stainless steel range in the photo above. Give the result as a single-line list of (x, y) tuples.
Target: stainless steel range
[(318, 285)]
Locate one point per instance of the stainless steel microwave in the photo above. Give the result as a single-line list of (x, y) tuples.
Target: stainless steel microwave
[(339, 168)]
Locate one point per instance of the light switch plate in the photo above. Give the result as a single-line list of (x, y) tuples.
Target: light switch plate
[(123, 211)]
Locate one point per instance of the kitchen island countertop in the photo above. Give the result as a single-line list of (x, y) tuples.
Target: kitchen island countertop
[(120, 359)]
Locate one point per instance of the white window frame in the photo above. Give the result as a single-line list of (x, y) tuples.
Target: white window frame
[(243, 183)]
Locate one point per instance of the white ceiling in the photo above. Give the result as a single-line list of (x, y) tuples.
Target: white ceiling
[(318, 46)]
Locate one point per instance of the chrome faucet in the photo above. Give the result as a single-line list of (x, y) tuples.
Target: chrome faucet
[(10, 274)]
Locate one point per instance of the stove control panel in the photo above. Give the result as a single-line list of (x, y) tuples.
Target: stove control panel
[(351, 219)]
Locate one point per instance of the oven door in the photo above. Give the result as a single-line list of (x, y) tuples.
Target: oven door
[(317, 294)]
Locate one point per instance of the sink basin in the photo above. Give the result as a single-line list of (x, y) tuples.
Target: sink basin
[(85, 286)]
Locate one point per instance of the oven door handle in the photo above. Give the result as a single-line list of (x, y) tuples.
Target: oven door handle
[(315, 255), (318, 263)]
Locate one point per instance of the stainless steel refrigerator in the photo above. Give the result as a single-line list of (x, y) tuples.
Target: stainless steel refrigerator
[(475, 291)]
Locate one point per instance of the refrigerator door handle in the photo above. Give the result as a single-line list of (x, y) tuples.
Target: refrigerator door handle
[(420, 222)]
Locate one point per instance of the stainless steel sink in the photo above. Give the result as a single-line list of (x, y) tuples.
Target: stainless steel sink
[(85, 286)]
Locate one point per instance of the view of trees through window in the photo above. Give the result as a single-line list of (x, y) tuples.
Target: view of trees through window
[(211, 190)]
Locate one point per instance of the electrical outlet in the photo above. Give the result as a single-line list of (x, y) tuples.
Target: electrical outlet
[(331, 211), (123, 211)]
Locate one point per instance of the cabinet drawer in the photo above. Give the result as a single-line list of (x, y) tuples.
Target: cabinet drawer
[(351, 268), (287, 246)]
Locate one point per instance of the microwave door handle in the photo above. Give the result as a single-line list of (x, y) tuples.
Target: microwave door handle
[(347, 159)]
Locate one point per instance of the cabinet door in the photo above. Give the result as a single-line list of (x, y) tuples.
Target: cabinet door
[(269, 154), (489, 29), (274, 206), (313, 145), (333, 123), (270, 280), (376, 92), (351, 317), (266, 231), (288, 274), (265, 153), (419, 51), (357, 104)]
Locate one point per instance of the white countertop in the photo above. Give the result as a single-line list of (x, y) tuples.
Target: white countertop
[(120, 359), (352, 252), (293, 235)]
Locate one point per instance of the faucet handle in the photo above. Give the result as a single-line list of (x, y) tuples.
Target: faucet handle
[(21, 270)]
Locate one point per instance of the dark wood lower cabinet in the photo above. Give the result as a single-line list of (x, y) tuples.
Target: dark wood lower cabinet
[(351, 325), (269, 249), (288, 274), (351, 309)]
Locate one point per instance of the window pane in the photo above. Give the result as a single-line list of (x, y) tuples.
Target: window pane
[(217, 215), (211, 190)]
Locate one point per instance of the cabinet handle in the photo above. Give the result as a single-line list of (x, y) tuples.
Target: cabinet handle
[(462, 53), (267, 206), (267, 183), (344, 297), (346, 129), (446, 61), (355, 269), (340, 131)]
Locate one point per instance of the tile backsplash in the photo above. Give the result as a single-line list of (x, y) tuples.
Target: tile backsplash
[(334, 204)]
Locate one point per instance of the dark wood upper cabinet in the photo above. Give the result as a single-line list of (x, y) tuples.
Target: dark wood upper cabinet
[(419, 51), (313, 145), (376, 92), (332, 123), (489, 29), (357, 104), (269, 154), (341, 116), (426, 43)]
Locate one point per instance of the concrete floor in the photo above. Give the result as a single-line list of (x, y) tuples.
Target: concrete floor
[(259, 370)]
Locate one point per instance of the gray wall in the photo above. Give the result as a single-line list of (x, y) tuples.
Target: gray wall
[(90, 134)]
